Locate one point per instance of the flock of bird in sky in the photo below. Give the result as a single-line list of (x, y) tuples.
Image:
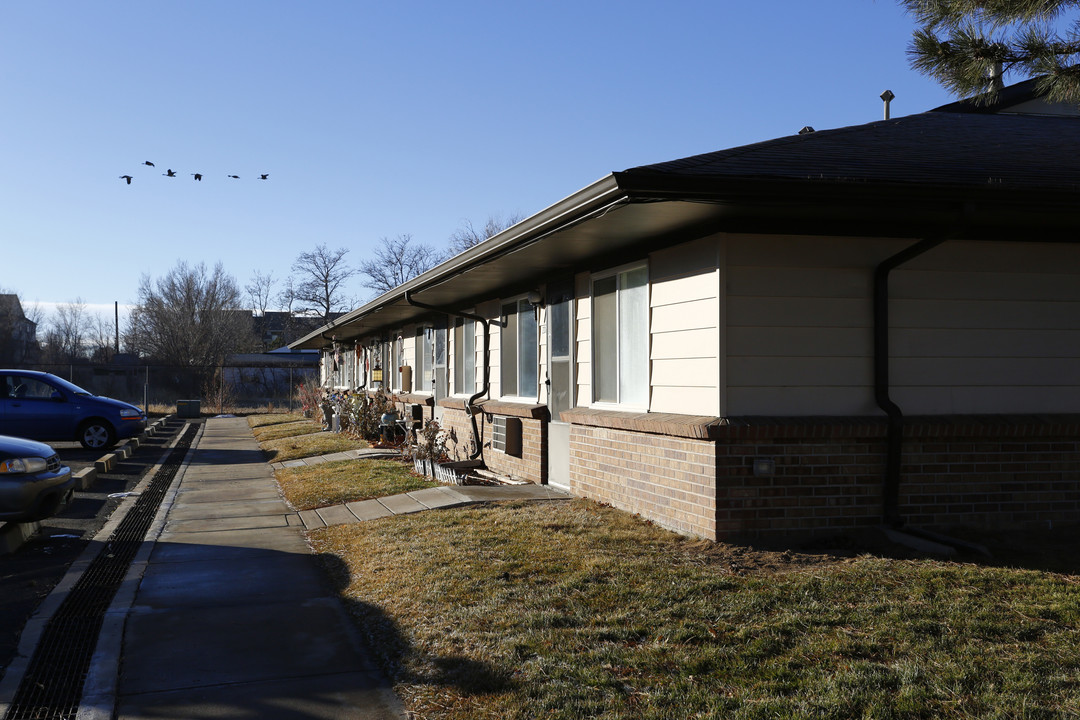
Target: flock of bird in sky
[(197, 176)]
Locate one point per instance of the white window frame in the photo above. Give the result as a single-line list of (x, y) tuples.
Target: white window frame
[(620, 403), (423, 357), (464, 357), (517, 302)]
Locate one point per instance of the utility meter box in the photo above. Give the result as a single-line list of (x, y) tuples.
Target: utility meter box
[(188, 409)]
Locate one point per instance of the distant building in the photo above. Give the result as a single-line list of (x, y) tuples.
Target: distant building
[(18, 334)]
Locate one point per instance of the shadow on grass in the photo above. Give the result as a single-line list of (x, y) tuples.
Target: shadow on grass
[(402, 661), (1045, 550)]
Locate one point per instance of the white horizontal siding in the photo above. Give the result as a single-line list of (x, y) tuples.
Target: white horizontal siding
[(684, 329), (975, 327)]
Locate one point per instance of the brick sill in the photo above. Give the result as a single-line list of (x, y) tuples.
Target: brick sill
[(927, 426), (529, 411), (699, 427)]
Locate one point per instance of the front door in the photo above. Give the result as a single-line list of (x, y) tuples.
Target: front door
[(560, 395)]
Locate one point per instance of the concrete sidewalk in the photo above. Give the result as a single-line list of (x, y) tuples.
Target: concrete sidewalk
[(232, 617)]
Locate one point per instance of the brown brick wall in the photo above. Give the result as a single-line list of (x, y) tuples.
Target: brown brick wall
[(531, 466), (828, 476), (820, 486), (668, 480)]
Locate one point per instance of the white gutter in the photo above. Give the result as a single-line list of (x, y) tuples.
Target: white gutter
[(597, 197)]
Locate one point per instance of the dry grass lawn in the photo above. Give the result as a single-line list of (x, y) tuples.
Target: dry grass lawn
[(290, 437), (342, 481), (575, 610)]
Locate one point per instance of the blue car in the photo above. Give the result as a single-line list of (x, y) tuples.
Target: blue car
[(33, 483), (41, 406)]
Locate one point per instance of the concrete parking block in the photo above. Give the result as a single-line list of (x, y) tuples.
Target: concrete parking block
[(13, 535), (368, 509), (105, 463), (85, 478), (401, 504), (311, 519)]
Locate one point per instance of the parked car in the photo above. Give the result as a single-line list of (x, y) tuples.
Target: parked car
[(33, 483), (42, 406)]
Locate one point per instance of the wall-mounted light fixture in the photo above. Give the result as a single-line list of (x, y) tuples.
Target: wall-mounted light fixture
[(764, 467)]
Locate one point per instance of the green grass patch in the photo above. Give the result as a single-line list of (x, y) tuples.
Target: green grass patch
[(575, 610), (333, 483)]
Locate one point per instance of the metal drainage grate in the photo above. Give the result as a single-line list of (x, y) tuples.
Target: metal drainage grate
[(52, 686)]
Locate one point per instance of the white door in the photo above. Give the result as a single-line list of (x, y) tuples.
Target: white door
[(560, 328)]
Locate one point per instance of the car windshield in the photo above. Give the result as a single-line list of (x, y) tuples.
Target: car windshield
[(70, 387)]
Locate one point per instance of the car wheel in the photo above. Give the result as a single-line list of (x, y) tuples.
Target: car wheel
[(96, 435)]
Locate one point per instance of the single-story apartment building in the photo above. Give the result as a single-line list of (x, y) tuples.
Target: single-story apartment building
[(812, 334)]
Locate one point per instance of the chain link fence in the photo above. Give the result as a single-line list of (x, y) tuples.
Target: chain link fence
[(226, 388)]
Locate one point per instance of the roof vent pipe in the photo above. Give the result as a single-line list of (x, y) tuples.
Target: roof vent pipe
[(888, 97), (997, 77)]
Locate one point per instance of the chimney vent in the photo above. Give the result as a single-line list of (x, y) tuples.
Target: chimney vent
[(888, 97)]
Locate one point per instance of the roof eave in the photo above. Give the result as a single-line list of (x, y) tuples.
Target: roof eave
[(590, 199)]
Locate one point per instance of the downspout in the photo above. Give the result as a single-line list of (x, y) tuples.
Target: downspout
[(478, 452), (363, 366), (890, 491)]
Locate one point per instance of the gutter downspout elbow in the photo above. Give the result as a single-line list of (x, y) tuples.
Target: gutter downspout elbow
[(478, 448), (890, 491)]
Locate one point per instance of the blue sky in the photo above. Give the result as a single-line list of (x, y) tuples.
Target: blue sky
[(377, 119)]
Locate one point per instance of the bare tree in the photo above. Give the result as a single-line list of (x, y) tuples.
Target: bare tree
[(258, 290), (321, 277), (397, 261), (67, 331), (100, 338), (190, 317), (468, 235)]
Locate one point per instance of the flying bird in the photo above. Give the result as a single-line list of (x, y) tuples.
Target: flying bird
[(148, 163), (170, 173), (264, 177), (126, 177), (197, 176), (234, 177)]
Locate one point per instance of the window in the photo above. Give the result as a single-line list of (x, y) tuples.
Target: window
[(425, 338), (464, 356), (519, 350), (399, 361), (560, 301), (440, 378), (620, 337)]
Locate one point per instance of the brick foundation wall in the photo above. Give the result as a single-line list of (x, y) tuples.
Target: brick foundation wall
[(987, 474), (991, 473), (669, 480), (820, 486), (531, 466)]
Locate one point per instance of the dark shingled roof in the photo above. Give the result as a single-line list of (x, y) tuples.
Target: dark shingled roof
[(946, 147)]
